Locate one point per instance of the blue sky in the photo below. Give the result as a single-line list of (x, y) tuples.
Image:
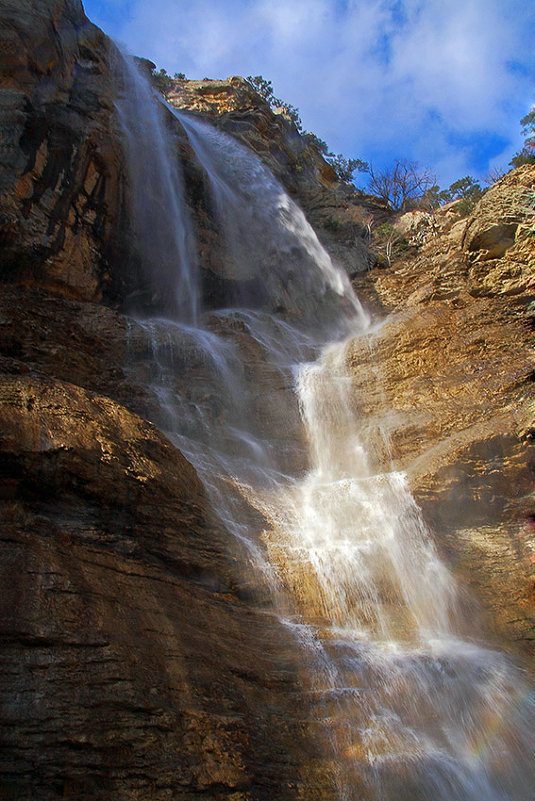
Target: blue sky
[(440, 82)]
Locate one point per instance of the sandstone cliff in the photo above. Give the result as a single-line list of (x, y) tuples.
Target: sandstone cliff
[(137, 660), (451, 389)]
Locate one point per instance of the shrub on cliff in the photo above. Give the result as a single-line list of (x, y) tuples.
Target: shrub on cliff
[(527, 154), (402, 186), (389, 244), (343, 167)]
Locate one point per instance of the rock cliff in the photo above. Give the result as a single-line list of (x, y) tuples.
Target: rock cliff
[(340, 215), (136, 659), (451, 389), (139, 661), (61, 204)]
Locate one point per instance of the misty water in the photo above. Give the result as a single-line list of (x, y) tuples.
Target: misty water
[(257, 395)]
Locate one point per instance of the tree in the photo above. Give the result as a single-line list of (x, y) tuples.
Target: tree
[(527, 154), (434, 197), (465, 188), (263, 87), (494, 174), (265, 90), (467, 191), (162, 82), (402, 186), (344, 168)]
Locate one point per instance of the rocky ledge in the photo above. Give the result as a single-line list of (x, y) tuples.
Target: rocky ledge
[(137, 663), (450, 390)]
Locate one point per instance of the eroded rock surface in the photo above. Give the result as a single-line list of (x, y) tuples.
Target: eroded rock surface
[(136, 660), (340, 215), (61, 190), (137, 663), (447, 383)]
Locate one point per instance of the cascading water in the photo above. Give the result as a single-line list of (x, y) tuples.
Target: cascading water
[(261, 404), (162, 225)]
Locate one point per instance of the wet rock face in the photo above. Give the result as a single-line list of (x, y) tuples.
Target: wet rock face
[(65, 191), (340, 215), (136, 660), (62, 188), (451, 391)]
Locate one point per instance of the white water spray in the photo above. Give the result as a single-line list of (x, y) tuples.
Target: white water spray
[(412, 709), (161, 220)]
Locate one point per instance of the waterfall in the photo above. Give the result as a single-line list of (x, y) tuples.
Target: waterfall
[(258, 396), (161, 221)]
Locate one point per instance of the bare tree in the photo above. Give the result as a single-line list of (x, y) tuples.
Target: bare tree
[(401, 186), (494, 174)]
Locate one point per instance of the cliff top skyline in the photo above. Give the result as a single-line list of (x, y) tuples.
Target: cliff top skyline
[(438, 83)]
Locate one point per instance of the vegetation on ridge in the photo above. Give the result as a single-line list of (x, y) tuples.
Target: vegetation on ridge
[(404, 186), (343, 167), (527, 154), (161, 80)]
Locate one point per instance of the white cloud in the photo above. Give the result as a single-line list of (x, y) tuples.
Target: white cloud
[(374, 78)]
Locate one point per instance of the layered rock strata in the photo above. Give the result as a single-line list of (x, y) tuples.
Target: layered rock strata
[(137, 663), (136, 660), (450, 390)]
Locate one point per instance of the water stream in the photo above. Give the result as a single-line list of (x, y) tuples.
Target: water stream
[(258, 397)]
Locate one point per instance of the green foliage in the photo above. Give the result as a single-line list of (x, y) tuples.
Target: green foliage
[(389, 244), (465, 206), (331, 224), (293, 114), (383, 231), (386, 233), (466, 190), (162, 82), (527, 154), (265, 90), (343, 167), (524, 156), (434, 197), (160, 79), (263, 87), (321, 146)]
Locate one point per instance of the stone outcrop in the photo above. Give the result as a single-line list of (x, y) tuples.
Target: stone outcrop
[(62, 178), (139, 661), (136, 661), (340, 215), (451, 391)]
